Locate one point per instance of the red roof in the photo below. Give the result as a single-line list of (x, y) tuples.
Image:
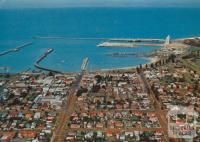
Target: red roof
[(29, 134)]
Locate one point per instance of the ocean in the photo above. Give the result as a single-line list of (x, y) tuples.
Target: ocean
[(18, 26)]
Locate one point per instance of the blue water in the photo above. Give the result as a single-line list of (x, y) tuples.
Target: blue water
[(20, 25)]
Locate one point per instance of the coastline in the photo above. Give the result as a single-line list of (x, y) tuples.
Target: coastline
[(150, 61), (153, 59)]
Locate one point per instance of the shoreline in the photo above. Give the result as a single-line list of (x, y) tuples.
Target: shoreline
[(150, 60)]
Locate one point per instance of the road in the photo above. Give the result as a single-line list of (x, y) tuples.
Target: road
[(161, 114), (66, 111)]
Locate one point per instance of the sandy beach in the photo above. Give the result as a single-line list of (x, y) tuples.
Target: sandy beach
[(151, 60)]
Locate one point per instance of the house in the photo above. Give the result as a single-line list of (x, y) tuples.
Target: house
[(37, 115), (74, 126), (27, 134), (119, 124), (7, 136), (99, 125)]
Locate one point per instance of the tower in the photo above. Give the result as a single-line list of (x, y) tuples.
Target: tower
[(167, 41)]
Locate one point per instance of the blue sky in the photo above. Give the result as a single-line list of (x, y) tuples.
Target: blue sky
[(98, 3)]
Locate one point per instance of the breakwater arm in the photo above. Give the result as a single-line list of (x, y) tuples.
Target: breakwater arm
[(16, 49), (127, 44), (37, 65), (108, 39), (69, 38)]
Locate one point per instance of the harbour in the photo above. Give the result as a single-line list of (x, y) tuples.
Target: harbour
[(137, 44), (70, 39)]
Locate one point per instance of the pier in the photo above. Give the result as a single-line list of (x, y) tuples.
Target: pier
[(131, 43), (36, 64), (126, 44), (16, 49), (84, 64), (138, 40), (115, 44), (108, 39), (69, 38)]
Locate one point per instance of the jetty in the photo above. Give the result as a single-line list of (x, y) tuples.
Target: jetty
[(138, 40), (84, 64), (108, 39), (16, 49), (69, 38), (127, 44), (37, 65), (115, 44)]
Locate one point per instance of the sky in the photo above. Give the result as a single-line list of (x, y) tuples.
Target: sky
[(97, 3)]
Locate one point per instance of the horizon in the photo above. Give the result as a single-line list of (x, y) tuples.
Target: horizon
[(9, 4)]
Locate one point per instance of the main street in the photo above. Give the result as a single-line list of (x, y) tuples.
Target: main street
[(66, 111), (161, 114)]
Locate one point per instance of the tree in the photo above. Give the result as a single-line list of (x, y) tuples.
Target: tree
[(137, 69), (96, 88), (156, 64), (79, 93), (50, 73), (7, 75), (99, 78), (140, 67), (146, 66), (152, 66)]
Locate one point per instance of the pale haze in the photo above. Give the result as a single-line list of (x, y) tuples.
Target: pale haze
[(97, 3)]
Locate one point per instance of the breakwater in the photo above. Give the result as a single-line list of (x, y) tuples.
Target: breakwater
[(37, 63), (107, 39), (16, 49)]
